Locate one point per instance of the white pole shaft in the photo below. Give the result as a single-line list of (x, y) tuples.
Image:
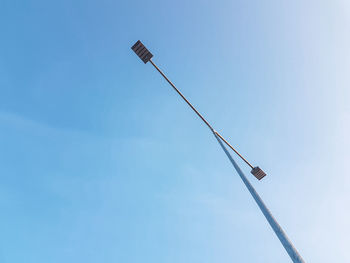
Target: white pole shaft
[(287, 244)]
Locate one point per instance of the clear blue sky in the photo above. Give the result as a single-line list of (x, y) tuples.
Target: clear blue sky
[(100, 161)]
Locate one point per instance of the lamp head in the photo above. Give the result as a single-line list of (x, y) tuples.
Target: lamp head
[(258, 173), (142, 51)]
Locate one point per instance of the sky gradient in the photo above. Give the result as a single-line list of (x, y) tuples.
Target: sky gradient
[(100, 161)]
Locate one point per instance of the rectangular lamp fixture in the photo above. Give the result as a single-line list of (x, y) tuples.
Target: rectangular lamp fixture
[(142, 51), (258, 173)]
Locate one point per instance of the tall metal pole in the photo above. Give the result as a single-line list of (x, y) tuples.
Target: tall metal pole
[(146, 56), (291, 250)]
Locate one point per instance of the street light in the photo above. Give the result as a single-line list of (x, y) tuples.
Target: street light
[(146, 56)]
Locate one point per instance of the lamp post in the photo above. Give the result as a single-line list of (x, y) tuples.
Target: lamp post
[(146, 56)]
